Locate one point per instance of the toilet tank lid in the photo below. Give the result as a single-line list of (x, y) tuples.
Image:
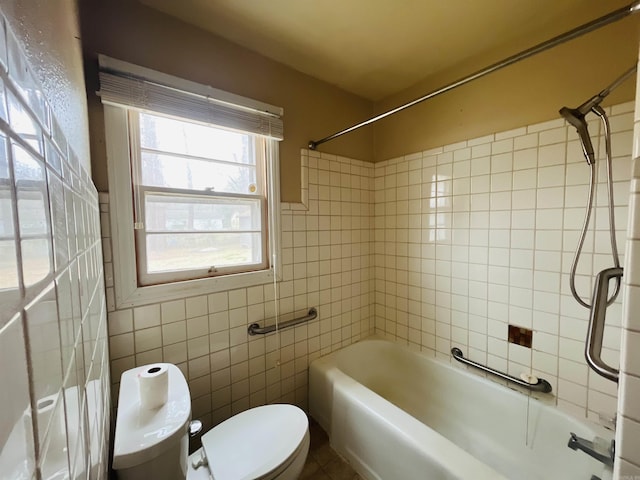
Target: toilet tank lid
[(255, 442), (141, 435)]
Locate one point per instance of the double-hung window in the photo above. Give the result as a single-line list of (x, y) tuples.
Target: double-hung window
[(201, 199), (193, 185)]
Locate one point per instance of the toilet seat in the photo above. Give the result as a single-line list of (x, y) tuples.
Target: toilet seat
[(259, 443)]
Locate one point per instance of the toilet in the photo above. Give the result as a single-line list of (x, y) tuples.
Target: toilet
[(270, 442)]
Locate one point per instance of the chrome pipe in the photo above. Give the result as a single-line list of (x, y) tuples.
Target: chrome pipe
[(597, 448), (541, 47), (256, 329), (540, 386)]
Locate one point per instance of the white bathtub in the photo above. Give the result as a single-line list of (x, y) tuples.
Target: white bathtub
[(395, 414)]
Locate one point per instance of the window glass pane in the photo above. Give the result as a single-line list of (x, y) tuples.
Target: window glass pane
[(33, 219), (23, 123), (193, 214), (175, 252), (160, 170), (178, 136)]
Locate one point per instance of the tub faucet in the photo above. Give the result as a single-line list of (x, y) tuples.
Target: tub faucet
[(597, 449)]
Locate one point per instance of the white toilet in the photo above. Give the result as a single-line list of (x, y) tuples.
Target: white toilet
[(267, 443)]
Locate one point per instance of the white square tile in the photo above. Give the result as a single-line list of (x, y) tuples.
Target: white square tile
[(524, 179), (546, 302), (145, 317), (544, 362), (551, 155), (501, 181), (480, 151), (174, 332), (255, 295), (516, 133), (577, 174), (549, 240), (148, 339), (547, 261), (575, 196), (502, 162), (572, 392), (545, 342), (502, 146), (552, 197), (526, 158), (196, 306), (219, 341), (197, 347), (171, 311), (238, 298), (633, 260), (601, 403), (121, 345), (631, 316), (554, 135), (631, 358), (197, 327), (551, 176), (576, 372), (519, 354), (522, 259), (120, 321), (629, 438)]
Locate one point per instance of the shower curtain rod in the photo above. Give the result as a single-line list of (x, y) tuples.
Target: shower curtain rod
[(541, 47)]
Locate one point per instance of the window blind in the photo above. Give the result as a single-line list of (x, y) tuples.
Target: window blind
[(122, 89)]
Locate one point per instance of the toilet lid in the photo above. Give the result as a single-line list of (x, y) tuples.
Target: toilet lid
[(255, 442)]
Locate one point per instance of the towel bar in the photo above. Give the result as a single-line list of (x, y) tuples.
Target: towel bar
[(256, 329)]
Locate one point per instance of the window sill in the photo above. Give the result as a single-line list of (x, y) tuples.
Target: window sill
[(137, 296)]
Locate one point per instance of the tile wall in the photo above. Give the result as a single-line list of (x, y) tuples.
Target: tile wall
[(477, 235), (53, 343), (627, 466), (327, 263)]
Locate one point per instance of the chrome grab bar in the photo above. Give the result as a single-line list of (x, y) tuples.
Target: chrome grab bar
[(593, 348), (256, 329), (540, 386)]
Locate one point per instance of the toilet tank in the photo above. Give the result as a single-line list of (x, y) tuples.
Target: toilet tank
[(152, 443)]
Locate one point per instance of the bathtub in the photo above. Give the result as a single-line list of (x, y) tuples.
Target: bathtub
[(396, 414)]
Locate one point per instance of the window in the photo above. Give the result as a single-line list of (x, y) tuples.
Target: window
[(201, 198), (193, 186)]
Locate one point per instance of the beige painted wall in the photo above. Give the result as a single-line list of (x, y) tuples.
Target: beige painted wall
[(525, 93), (528, 92), (129, 31)]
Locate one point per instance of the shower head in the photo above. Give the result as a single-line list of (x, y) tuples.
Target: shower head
[(575, 116)]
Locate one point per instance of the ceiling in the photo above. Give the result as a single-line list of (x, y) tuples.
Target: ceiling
[(376, 48)]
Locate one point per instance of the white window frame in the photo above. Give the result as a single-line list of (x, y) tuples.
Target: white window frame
[(121, 210)]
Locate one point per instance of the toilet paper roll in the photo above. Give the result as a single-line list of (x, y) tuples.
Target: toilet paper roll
[(153, 382)]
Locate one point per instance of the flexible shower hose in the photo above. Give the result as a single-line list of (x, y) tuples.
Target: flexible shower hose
[(612, 226)]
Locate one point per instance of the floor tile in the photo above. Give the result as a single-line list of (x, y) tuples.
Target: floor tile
[(323, 463)]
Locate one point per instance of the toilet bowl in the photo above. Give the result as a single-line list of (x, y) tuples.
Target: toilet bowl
[(270, 442)]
